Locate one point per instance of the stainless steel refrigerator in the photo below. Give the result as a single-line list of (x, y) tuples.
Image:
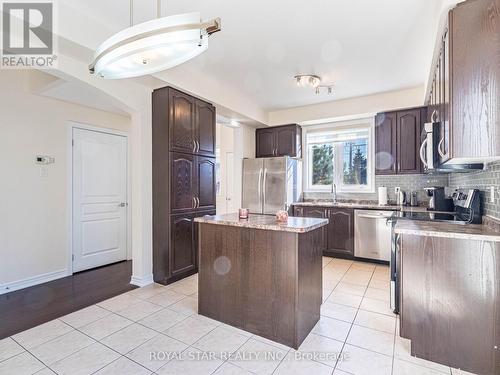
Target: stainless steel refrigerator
[(271, 184)]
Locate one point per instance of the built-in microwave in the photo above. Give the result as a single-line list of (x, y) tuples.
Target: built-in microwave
[(431, 151)]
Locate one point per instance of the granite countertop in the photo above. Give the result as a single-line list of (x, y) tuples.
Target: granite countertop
[(481, 232), (368, 205), (266, 222)]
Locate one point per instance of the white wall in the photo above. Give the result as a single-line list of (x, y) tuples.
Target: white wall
[(345, 108), (33, 209)]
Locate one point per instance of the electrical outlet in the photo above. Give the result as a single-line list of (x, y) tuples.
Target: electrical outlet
[(492, 194)]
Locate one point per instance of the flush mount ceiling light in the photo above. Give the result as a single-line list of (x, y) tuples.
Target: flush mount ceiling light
[(313, 81), (153, 46)]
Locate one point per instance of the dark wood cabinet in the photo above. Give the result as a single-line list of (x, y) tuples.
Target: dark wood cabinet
[(183, 179), (450, 301), (191, 124), (205, 128), (385, 143), (285, 140), (409, 128), (338, 236), (265, 143), (181, 122), (341, 232), (183, 254), (183, 183), (397, 141), (464, 92), (205, 183), (322, 214)]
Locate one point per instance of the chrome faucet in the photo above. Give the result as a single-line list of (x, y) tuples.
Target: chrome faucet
[(334, 193)]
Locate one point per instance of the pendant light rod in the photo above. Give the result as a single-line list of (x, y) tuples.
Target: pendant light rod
[(158, 8), (131, 13)]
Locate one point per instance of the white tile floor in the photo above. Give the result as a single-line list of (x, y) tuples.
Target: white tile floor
[(117, 336)]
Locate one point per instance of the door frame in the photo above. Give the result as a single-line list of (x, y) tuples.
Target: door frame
[(69, 149)]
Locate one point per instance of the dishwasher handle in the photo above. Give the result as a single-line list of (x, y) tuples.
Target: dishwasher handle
[(373, 216)]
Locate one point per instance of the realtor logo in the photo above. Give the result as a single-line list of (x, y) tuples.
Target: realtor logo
[(28, 35)]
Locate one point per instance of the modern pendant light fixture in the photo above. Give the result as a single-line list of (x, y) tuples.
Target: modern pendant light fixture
[(153, 46), (313, 81)]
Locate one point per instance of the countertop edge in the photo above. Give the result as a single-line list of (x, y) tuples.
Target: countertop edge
[(272, 227)]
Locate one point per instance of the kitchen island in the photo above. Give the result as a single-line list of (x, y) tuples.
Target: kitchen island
[(261, 276)]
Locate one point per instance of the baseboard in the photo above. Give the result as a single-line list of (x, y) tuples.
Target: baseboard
[(142, 281), (31, 281)]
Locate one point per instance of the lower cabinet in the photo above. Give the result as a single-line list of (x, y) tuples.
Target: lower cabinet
[(341, 232), (450, 301), (183, 254), (338, 235)]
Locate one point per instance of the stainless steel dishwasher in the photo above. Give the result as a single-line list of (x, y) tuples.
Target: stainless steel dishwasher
[(372, 235)]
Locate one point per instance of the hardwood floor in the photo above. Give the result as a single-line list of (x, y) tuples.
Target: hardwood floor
[(29, 307)]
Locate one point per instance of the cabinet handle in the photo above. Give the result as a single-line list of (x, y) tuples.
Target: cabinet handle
[(441, 152), (193, 202), (194, 146), (421, 153), (197, 202), (197, 146)]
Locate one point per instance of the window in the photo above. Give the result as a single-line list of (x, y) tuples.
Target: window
[(340, 155)]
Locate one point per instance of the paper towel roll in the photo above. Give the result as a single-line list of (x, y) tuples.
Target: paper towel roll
[(382, 196)]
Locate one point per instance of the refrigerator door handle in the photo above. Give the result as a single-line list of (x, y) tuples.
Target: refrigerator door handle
[(259, 186), (264, 190)]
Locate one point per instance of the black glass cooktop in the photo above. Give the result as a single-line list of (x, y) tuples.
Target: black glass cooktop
[(451, 217)]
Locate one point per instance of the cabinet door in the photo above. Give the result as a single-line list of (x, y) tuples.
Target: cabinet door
[(181, 122), (205, 128), (323, 214), (183, 182), (341, 231), (385, 143), (298, 211), (286, 141), (475, 75), (265, 143), (182, 254), (409, 128), (205, 181)]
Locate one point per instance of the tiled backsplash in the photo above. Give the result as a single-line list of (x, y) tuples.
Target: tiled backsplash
[(482, 180), (407, 183)]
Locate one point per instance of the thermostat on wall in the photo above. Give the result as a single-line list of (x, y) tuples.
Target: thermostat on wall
[(43, 159)]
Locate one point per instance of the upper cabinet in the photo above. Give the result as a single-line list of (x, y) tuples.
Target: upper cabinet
[(397, 141), (285, 140), (182, 124), (385, 143), (409, 127), (464, 93), (192, 124), (205, 128)]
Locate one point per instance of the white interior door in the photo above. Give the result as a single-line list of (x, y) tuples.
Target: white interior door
[(99, 199)]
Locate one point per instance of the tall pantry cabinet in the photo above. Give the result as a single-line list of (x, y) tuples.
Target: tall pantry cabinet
[(183, 180)]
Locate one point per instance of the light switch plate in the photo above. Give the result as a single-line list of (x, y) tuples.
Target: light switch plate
[(397, 189)]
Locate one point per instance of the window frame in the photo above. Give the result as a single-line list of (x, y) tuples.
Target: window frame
[(359, 123)]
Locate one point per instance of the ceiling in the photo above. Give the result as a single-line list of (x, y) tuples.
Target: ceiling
[(362, 47)]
